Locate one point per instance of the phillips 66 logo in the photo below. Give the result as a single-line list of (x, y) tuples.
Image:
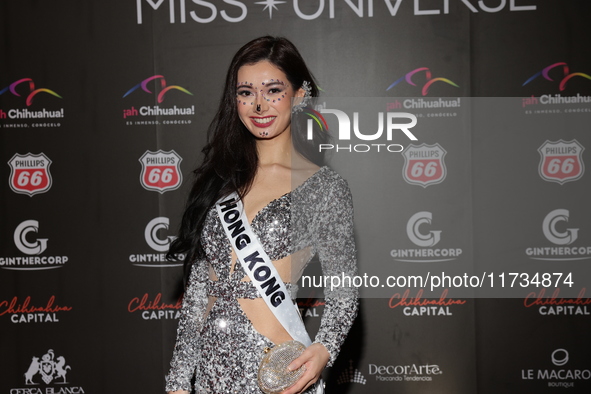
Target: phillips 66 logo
[(561, 161), (161, 171), (29, 174), (424, 165)]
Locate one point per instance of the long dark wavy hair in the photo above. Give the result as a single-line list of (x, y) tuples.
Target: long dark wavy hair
[(230, 156)]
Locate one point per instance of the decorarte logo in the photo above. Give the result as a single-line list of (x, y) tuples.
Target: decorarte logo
[(156, 110), (429, 80), (561, 161)]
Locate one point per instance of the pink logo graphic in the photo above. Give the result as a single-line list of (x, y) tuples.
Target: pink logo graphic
[(165, 89), (428, 78), (32, 92), (564, 76), (29, 174), (161, 171), (424, 165), (561, 161)]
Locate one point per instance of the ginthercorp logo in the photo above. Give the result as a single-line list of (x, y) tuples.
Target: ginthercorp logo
[(561, 161), (46, 371), (405, 372), (418, 230), (390, 122), (155, 235), (424, 165), (555, 236), (559, 375), (28, 243), (36, 247), (161, 171), (233, 11), (556, 230), (29, 174), (427, 81)]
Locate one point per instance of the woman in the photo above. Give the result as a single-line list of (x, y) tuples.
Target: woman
[(296, 209)]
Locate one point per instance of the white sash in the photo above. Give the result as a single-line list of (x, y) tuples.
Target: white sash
[(259, 268)]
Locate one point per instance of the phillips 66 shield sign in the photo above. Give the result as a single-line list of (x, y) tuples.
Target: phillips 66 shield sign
[(424, 165), (29, 174), (161, 171), (561, 161)]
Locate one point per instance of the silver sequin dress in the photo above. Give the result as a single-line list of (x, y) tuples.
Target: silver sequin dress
[(221, 349)]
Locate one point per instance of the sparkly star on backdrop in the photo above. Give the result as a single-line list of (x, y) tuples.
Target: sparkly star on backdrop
[(270, 4)]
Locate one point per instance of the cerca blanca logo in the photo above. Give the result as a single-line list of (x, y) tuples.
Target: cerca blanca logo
[(156, 238), (554, 227), (419, 232), (44, 373), (33, 247)]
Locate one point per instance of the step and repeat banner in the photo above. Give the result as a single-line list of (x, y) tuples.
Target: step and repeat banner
[(461, 126)]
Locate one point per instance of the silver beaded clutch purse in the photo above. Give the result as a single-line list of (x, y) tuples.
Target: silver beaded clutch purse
[(273, 374)]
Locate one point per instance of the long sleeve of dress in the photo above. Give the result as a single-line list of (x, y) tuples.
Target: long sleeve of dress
[(336, 250), (185, 355)]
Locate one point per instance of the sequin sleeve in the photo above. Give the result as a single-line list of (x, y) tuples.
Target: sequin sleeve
[(184, 358), (335, 245)]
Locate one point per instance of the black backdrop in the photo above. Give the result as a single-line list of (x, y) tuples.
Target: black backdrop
[(95, 299)]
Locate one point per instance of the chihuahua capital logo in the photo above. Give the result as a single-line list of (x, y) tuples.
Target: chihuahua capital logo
[(562, 74), (30, 93), (164, 88), (429, 80)]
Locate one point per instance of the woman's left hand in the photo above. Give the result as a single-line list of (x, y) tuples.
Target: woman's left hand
[(315, 358)]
